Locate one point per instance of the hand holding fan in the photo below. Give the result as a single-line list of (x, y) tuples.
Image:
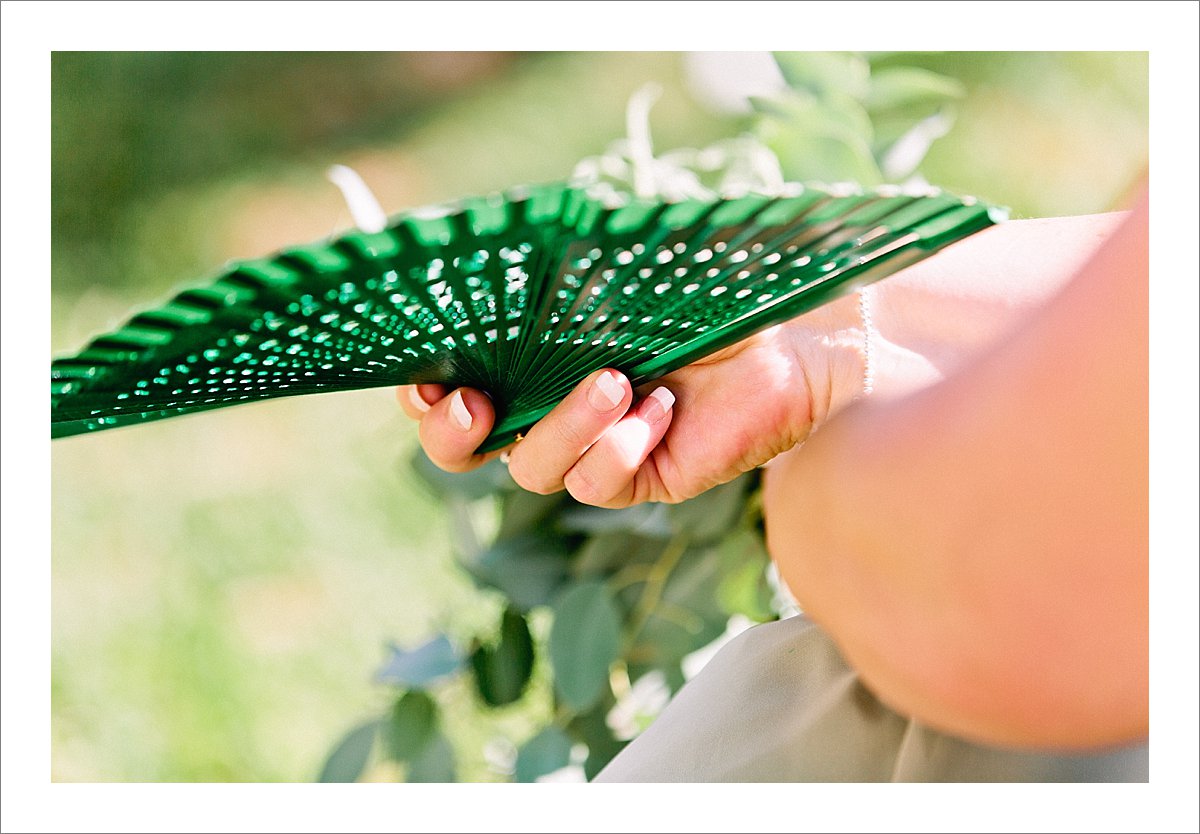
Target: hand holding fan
[(520, 295)]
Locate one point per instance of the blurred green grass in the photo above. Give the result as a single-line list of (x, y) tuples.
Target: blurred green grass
[(223, 585)]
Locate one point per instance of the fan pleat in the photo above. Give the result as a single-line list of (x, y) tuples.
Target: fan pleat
[(520, 295)]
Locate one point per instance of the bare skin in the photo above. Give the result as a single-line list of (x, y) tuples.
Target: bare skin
[(973, 533), (614, 456), (980, 550)]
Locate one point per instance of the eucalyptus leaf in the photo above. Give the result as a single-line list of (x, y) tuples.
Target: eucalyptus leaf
[(410, 727), (502, 672), (666, 639), (584, 641), (435, 762), (525, 512), (823, 73), (712, 513), (479, 483), (820, 140), (803, 114), (546, 752), (529, 569), (606, 553), (687, 616), (906, 88), (647, 519), (692, 585), (419, 667), (834, 155), (349, 757)]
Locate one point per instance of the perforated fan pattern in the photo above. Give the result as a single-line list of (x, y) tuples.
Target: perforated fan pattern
[(520, 295)]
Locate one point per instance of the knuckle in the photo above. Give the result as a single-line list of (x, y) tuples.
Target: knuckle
[(580, 488), (584, 489), (453, 466), (528, 478), (568, 433)]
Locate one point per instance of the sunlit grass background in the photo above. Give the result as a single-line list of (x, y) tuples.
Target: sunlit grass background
[(224, 584)]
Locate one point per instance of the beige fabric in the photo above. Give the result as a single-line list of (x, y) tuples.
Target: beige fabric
[(778, 704)]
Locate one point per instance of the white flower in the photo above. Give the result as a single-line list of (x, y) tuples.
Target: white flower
[(639, 706)]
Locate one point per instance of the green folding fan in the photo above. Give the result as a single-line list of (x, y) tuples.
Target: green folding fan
[(520, 295)]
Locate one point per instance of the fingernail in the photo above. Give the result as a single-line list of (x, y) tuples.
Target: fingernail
[(458, 412), (655, 407), (414, 396), (606, 393)]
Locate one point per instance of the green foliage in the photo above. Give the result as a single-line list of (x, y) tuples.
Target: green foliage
[(626, 591), (844, 119), (422, 666), (503, 671), (434, 763), (349, 757), (743, 588), (548, 751), (413, 737), (528, 568), (411, 726), (584, 642), (409, 735), (136, 116), (633, 592), (228, 636)]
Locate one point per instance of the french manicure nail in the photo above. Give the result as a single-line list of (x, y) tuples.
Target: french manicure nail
[(656, 406), (414, 396), (458, 412), (606, 393)]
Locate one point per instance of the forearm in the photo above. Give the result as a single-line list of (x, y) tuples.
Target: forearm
[(979, 549), (937, 314), (930, 318)]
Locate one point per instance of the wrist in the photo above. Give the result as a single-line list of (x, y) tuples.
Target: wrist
[(830, 347)]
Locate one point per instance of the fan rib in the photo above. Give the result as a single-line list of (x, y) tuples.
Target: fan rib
[(521, 295)]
